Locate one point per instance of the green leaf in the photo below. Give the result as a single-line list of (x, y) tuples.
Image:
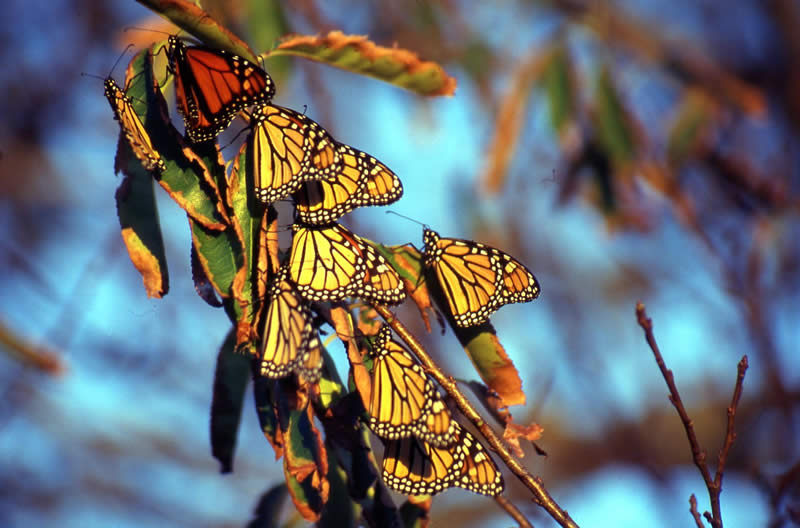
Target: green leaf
[(138, 219), (356, 54), (219, 255), (415, 515), (690, 128), (266, 23), (613, 124), (340, 510), (268, 512), (187, 177), (230, 381), (201, 24), (560, 89), (305, 462), (264, 393), (246, 226)]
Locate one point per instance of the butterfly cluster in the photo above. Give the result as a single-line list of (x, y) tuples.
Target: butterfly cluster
[(291, 157)]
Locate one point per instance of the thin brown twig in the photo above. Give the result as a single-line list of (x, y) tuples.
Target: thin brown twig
[(693, 510), (512, 511), (541, 495), (698, 454)]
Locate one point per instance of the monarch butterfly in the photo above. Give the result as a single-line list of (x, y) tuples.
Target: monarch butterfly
[(331, 263), (361, 180), (414, 467), (287, 148), (212, 86), (404, 400), (132, 127), (287, 329), (310, 369), (476, 279)]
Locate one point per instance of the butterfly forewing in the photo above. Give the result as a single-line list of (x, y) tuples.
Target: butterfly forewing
[(288, 149), (132, 127), (476, 279), (287, 329), (326, 263), (404, 400), (212, 86)]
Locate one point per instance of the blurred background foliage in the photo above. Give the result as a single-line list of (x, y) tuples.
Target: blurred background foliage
[(623, 150)]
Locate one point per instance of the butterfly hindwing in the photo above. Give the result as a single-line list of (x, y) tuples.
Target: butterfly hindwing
[(415, 467), (476, 279), (330, 263), (404, 400), (287, 329), (360, 180)]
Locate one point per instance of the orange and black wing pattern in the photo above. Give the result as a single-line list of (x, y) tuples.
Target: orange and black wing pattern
[(212, 86), (287, 149), (331, 263), (360, 181), (404, 400), (132, 127), (414, 467), (287, 329), (476, 279)]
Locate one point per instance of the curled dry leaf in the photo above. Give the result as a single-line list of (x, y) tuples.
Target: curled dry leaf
[(357, 54), (513, 432)]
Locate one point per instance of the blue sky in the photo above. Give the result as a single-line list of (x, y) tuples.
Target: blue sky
[(128, 420)]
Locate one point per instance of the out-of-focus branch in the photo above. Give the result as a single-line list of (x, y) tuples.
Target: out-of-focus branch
[(693, 510), (512, 511), (688, 64), (28, 354), (698, 453), (535, 484)]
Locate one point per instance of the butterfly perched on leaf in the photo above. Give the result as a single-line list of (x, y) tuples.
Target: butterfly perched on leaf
[(360, 181), (331, 263), (404, 400), (476, 279), (310, 369), (287, 149), (287, 329), (414, 467), (132, 127), (212, 86)]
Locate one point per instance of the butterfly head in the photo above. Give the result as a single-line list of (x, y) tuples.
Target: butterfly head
[(430, 239)]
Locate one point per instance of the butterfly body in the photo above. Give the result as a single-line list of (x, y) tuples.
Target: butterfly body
[(476, 279), (132, 127), (212, 86)]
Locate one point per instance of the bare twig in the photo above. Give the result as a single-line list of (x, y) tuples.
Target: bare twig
[(540, 493), (693, 510), (698, 454), (512, 511)]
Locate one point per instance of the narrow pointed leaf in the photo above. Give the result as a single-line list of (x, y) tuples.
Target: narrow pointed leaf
[(357, 54), (230, 382)]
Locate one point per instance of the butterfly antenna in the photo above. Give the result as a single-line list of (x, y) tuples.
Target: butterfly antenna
[(124, 52), (151, 30), (129, 46), (235, 137), (406, 217)]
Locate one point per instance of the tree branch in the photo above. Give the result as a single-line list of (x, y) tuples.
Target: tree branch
[(698, 453), (540, 493)]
